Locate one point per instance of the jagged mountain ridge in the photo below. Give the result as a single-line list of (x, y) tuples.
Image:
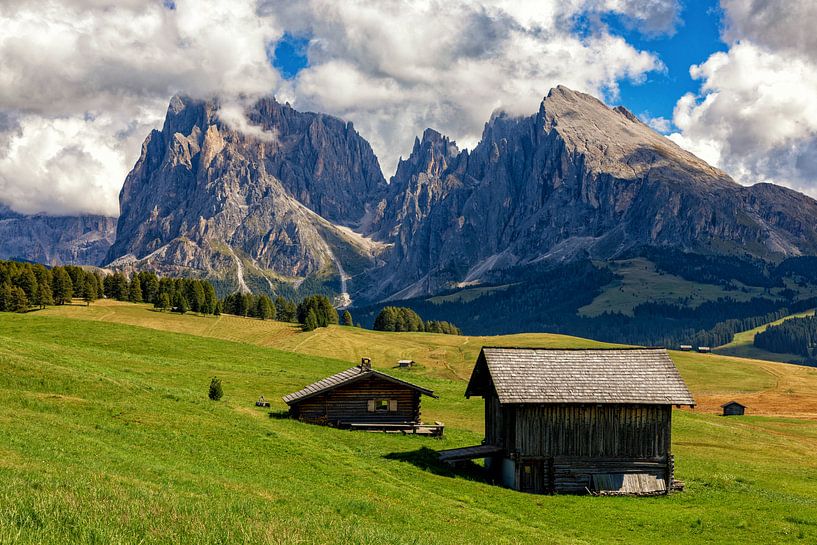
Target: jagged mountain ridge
[(55, 240), (576, 179), (302, 196), (208, 200)]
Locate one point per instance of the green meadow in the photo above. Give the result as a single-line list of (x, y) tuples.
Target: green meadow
[(107, 436)]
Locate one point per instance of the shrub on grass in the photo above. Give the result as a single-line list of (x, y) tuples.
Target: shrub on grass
[(215, 392)]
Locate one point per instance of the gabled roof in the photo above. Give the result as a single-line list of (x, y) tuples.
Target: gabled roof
[(347, 377), (544, 375), (733, 402)]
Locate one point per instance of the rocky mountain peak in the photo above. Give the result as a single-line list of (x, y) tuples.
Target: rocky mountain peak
[(259, 192)]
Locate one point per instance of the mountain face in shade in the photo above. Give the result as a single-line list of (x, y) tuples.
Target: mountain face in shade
[(298, 201), (261, 210), (55, 240), (576, 179)]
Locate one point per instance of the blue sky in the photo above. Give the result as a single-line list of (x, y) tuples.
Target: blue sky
[(696, 37)]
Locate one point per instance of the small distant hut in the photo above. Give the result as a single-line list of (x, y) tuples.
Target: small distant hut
[(577, 421), (686, 348), (733, 408), (405, 363), (362, 398), (704, 349)]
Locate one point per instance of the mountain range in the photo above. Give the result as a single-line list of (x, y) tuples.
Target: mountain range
[(298, 203), (55, 240)]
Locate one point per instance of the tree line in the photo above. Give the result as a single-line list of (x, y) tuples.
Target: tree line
[(793, 336), (24, 286), (405, 319)]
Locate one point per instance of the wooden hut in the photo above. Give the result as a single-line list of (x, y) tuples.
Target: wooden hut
[(733, 408), (686, 348), (576, 421), (362, 398), (405, 363), (704, 349)]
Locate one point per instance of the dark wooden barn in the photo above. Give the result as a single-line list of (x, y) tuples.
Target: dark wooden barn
[(733, 408), (577, 421), (363, 398)]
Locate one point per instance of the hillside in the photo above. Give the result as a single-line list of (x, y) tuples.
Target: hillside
[(107, 436), (743, 344), (768, 388)]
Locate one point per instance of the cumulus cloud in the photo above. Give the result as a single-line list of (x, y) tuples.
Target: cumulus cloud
[(395, 68), (755, 115), (86, 80), (83, 81), (651, 17)]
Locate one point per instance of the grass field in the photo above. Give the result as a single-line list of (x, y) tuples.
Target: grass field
[(770, 389), (638, 281), (445, 356), (106, 436), (743, 344)]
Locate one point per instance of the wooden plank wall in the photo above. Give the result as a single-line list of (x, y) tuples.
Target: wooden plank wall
[(592, 431), (575, 476), (350, 403), (493, 422)]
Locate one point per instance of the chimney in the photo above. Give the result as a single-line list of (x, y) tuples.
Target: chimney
[(365, 364)]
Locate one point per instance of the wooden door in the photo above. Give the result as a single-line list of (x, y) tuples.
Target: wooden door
[(532, 476)]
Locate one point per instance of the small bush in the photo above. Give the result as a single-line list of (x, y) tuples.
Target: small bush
[(215, 389)]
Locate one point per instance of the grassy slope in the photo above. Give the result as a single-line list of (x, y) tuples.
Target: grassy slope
[(638, 281), (743, 343), (767, 388), (440, 355), (107, 436)]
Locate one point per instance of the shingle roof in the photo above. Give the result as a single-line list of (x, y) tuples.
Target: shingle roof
[(346, 377), (541, 375)]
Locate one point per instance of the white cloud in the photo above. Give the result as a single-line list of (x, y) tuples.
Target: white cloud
[(87, 80), (756, 113), (660, 124), (83, 81), (395, 68)]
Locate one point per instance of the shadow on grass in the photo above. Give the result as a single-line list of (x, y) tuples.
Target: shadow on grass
[(279, 415), (427, 459)]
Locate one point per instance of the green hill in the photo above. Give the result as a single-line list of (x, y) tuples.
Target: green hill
[(743, 343), (107, 436)]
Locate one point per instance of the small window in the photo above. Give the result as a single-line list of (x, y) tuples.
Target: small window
[(382, 405)]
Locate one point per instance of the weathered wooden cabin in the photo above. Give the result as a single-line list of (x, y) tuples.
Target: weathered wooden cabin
[(577, 421), (405, 363), (733, 408), (362, 398)]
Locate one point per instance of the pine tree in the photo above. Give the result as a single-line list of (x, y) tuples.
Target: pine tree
[(135, 290), (181, 305), (162, 301), (347, 318), (19, 301), (149, 283), (310, 322), (44, 295), (100, 287), (285, 310), (119, 287), (215, 391), (5, 297), (264, 308), (27, 282), (62, 288), (210, 298), (90, 290)]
